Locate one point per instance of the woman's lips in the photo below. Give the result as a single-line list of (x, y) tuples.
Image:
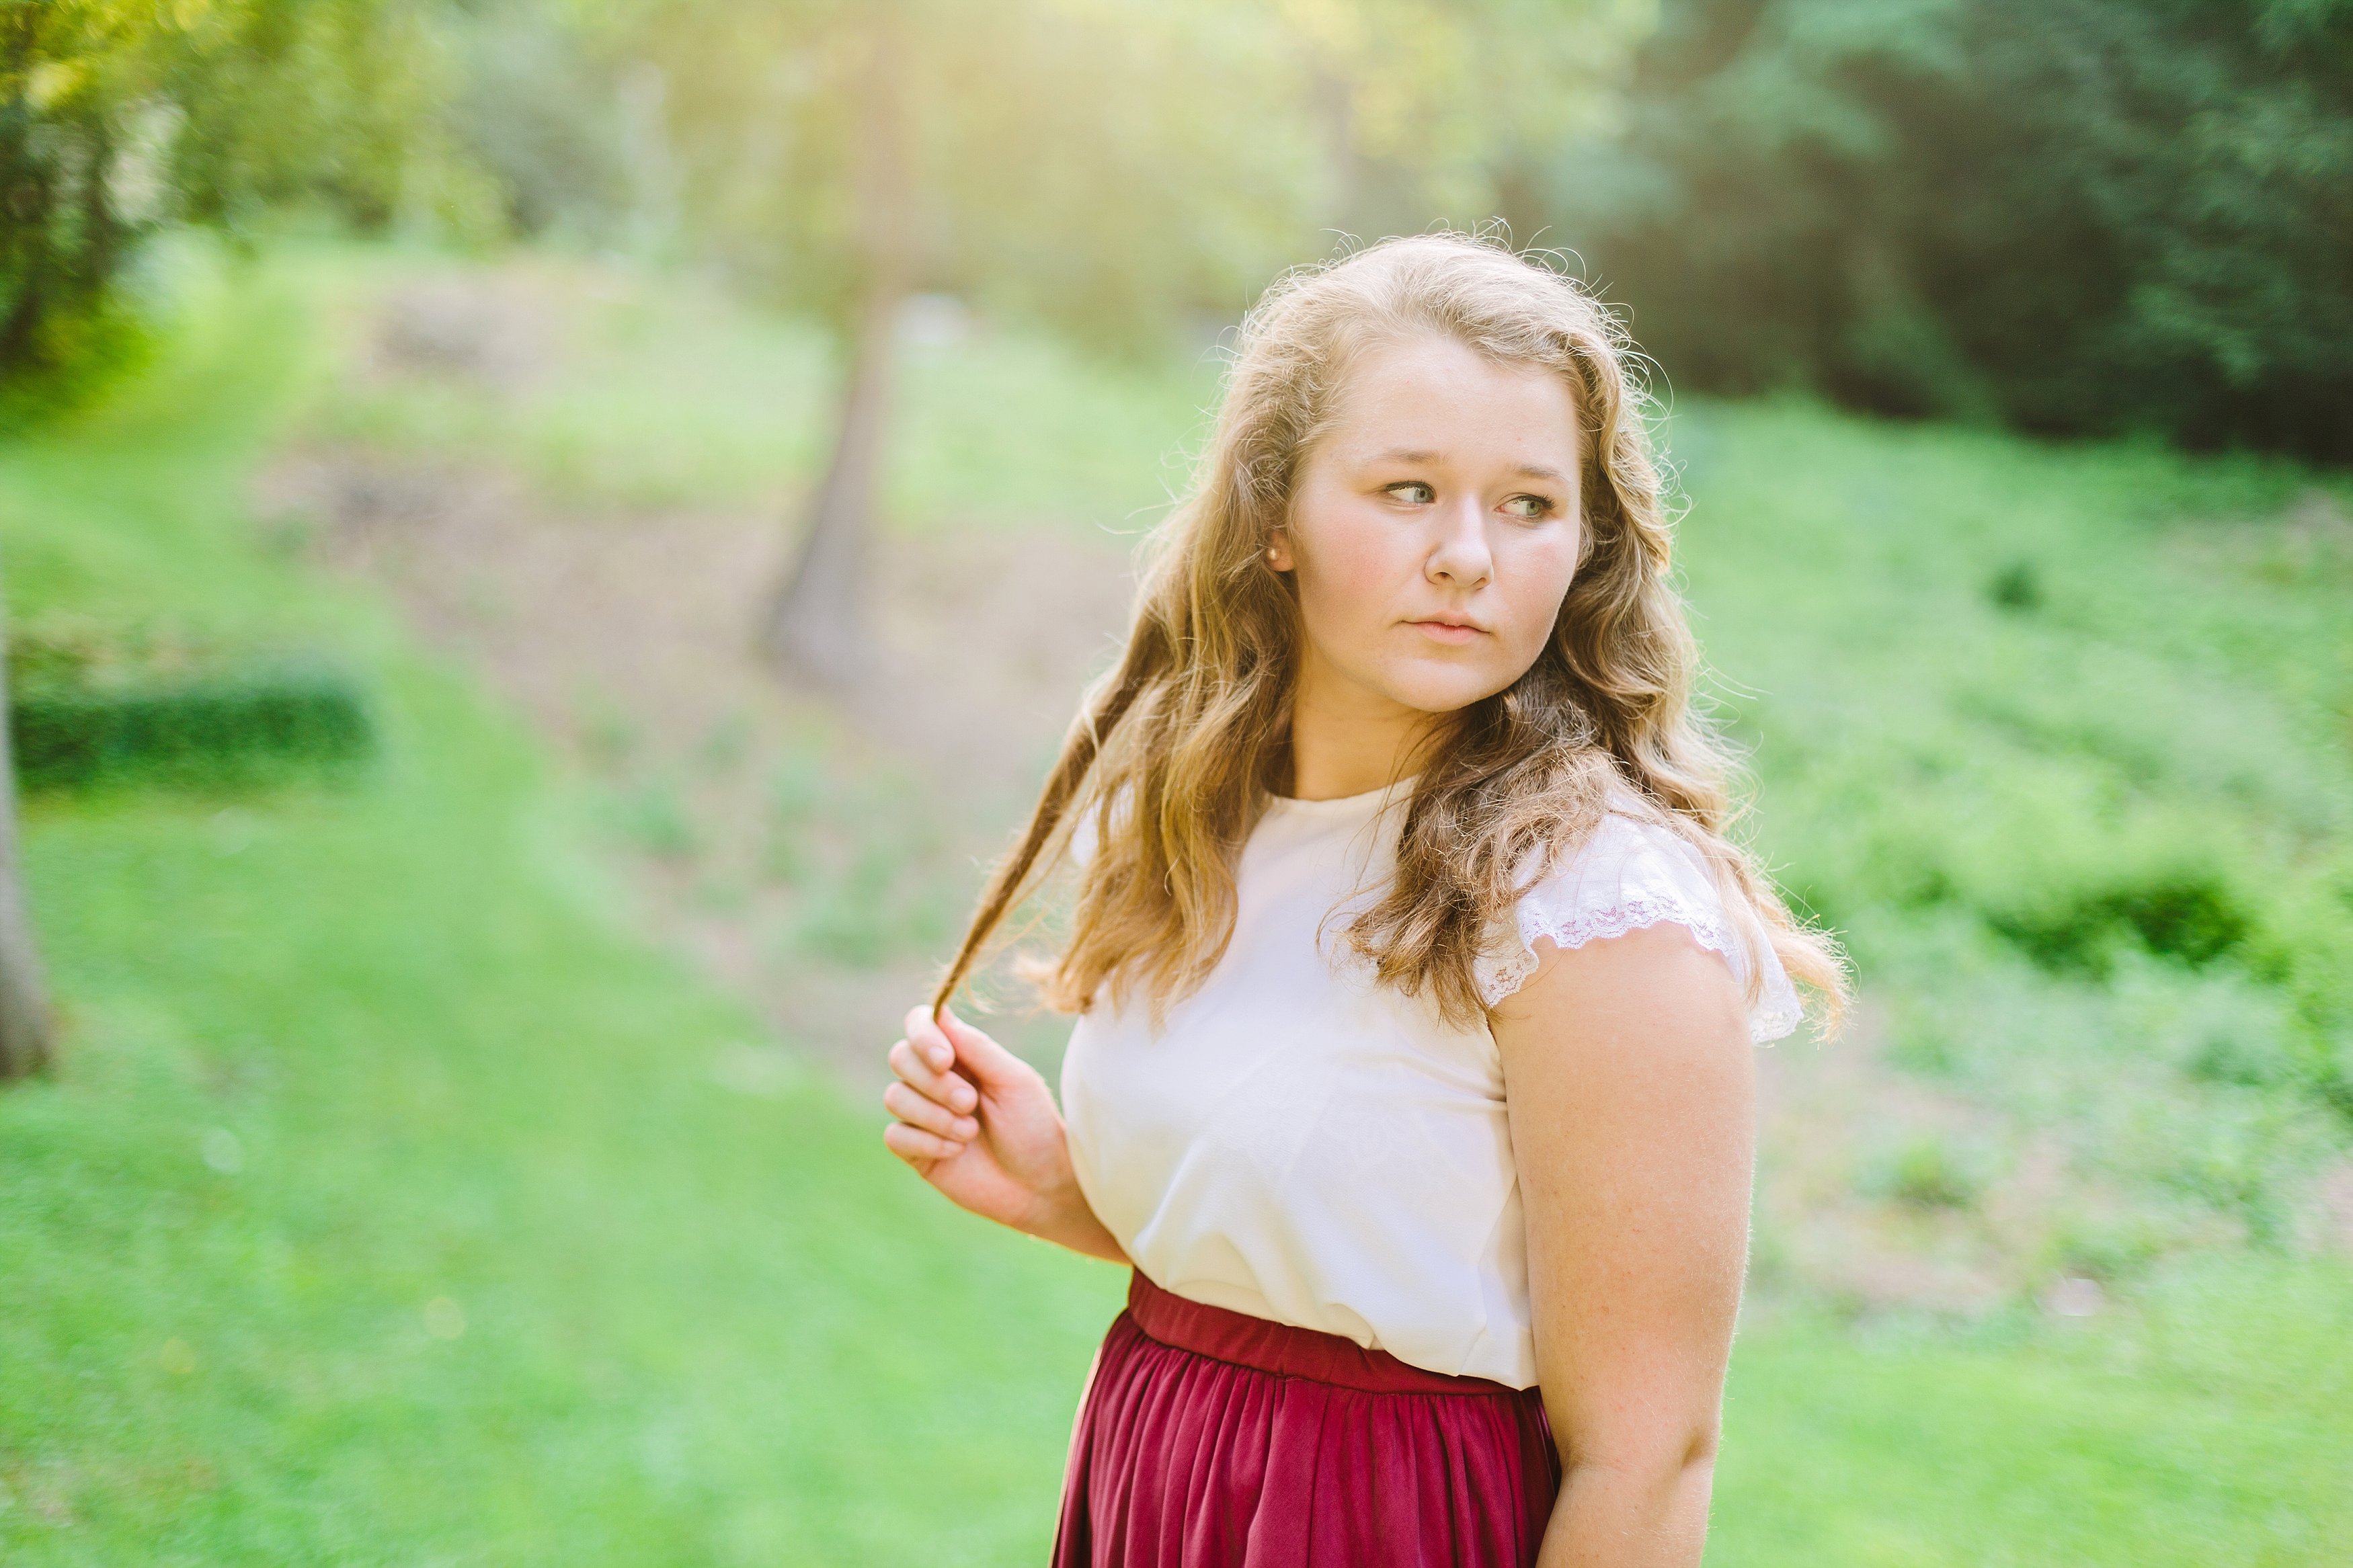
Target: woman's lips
[(1449, 631)]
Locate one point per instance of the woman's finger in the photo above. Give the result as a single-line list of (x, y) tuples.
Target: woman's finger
[(917, 1147), (924, 1034), (950, 1088), (917, 1110)]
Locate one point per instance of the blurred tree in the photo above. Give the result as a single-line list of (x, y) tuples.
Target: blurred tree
[(1436, 109), (1088, 162), (118, 115), (2071, 216), (1106, 167), (62, 232), (538, 108)]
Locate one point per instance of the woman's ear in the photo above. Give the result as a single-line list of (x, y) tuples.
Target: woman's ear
[(1278, 552)]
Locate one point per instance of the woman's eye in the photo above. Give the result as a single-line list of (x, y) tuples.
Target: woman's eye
[(1412, 491), (1529, 506)]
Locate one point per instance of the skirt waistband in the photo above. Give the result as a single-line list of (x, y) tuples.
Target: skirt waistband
[(1286, 1352)]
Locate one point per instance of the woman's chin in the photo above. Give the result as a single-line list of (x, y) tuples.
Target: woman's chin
[(1444, 690)]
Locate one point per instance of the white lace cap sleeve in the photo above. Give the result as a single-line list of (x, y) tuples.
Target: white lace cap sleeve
[(1627, 875)]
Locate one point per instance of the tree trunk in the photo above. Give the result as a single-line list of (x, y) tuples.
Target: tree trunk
[(819, 625), (25, 1023)]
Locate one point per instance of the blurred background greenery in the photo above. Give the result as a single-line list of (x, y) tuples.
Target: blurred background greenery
[(546, 543)]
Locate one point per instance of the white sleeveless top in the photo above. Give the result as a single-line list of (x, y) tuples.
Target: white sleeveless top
[(1300, 1143)]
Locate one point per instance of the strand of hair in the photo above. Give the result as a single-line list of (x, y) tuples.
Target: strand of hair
[(1079, 753)]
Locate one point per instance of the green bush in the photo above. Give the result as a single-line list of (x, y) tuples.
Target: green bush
[(235, 725), (1926, 1173), (2186, 915)]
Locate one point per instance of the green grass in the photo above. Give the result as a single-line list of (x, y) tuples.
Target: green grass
[(700, 1326), (2094, 853), (650, 390), (396, 1205), (2208, 1429), (334, 1057)]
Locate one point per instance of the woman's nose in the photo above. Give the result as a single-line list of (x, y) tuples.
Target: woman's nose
[(1461, 558)]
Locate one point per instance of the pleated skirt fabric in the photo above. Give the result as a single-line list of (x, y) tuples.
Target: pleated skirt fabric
[(1209, 1439)]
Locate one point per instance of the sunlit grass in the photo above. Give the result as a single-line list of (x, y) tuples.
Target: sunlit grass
[(616, 389), (395, 1204), (2090, 846), (2209, 1425), (392, 1204)]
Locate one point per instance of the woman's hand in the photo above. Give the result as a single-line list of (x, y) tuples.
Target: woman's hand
[(977, 1121)]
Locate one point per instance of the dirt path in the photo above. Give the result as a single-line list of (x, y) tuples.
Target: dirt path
[(628, 638)]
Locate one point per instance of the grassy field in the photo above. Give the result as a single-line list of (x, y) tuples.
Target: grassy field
[(2062, 740), (398, 1202), (392, 1204)]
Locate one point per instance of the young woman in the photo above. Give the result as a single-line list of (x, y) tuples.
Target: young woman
[(1415, 976)]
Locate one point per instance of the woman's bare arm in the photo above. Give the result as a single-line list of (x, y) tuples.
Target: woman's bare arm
[(1631, 1088), (977, 1122)]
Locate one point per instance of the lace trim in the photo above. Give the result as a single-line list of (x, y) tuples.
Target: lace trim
[(1777, 1013)]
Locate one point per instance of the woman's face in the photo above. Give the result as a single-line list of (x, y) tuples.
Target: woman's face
[(1434, 530)]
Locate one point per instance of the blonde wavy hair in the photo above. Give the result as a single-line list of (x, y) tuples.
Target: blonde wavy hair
[(1176, 750)]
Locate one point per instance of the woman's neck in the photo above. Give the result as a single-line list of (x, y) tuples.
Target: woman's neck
[(1346, 740)]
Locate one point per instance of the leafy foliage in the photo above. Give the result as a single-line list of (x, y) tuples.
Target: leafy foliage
[(2071, 216), (1106, 166), (117, 116)]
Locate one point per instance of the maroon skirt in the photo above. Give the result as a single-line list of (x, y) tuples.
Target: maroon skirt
[(1213, 1439)]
